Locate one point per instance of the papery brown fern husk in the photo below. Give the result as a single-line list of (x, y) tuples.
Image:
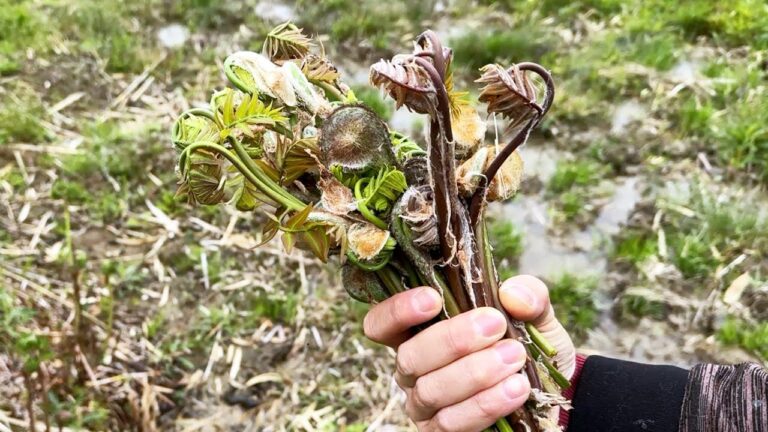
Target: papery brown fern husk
[(508, 92), (318, 68), (405, 82), (286, 42)]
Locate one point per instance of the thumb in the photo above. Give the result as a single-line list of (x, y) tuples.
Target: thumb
[(526, 298)]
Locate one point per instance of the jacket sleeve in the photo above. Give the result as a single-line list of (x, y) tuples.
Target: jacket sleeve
[(615, 396), (620, 396), (726, 399)]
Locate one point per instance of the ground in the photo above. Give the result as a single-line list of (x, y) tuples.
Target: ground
[(644, 205)]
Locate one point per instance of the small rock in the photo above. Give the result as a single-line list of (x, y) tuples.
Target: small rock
[(173, 36)]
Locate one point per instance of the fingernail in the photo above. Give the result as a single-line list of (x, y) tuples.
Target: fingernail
[(522, 294), (488, 324), (510, 352), (425, 300), (515, 386)]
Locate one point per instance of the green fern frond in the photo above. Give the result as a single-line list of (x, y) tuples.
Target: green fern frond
[(286, 42), (404, 147), (381, 190), (195, 125), (347, 179), (246, 113)]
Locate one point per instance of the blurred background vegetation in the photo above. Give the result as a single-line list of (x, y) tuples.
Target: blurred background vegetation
[(644, 205)]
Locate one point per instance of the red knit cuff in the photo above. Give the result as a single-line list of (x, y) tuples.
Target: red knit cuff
[(570, 391)]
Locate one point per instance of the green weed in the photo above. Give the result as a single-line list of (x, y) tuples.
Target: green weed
[(476, 49), (506, 239), (562, 9), (752, 337), (577, 173), (742, 139), (572, 299), (721, 228), (20, 29), (695, 117), (106, 30), (740, 22), (635, 246), (71, 192), (21, 116), (507, 243), (372, 21), (280, 307), (638, 302), (571, 186)]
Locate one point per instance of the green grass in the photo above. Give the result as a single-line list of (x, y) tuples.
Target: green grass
[(562, 9), (722, 228), (107, 30), (635, 246), (367, 22), (752, 337), (21, 116), (735, 23), (20, 29), (525, 42), (572, 299), (731, 123), (742, 138), (577, 173), (507, 243), (122, 152), (571, 187), (639, 302)]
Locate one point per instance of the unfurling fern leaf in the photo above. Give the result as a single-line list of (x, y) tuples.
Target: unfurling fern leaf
[(195, 125), (381, 190), (404, 147), (245, 116), (286, 42)]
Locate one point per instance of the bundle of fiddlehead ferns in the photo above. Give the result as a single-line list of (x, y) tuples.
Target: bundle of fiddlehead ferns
[(291, 139)]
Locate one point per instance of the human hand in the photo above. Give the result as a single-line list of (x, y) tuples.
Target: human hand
[(458, 374)]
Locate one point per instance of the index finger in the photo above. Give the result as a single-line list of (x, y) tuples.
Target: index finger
[(390, 321)]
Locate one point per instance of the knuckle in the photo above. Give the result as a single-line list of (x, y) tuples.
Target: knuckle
[(480, 376), (455, 341), (423, 395), (442, 423), (405, 363), (485, 407)]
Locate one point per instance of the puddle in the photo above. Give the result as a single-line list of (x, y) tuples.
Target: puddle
[(581, 252), (545, 255), (625, 114), (274, 12), (618, 209), (540, 161)]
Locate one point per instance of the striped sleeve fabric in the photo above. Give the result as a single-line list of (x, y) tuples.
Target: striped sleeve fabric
[(726, 399)]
